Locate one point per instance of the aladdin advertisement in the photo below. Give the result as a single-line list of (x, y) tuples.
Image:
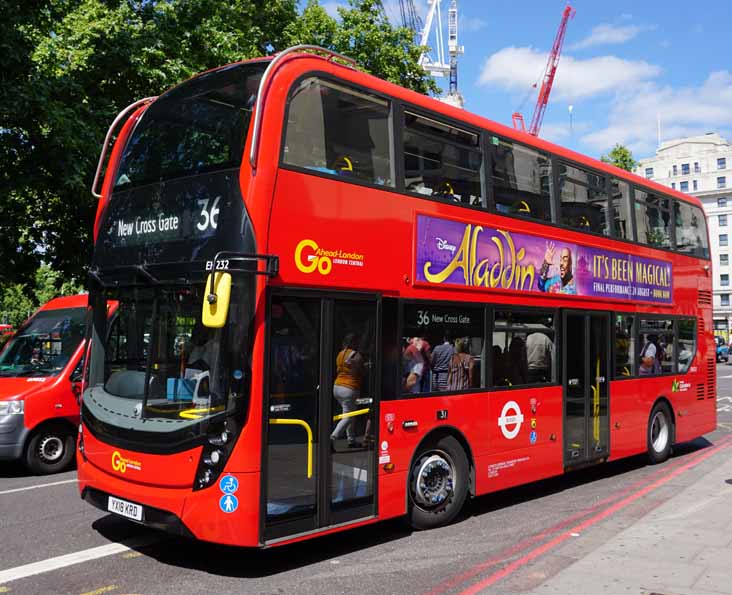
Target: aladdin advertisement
[(469, 255)]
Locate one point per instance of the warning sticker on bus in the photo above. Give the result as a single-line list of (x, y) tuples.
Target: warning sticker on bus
[(457, 253)]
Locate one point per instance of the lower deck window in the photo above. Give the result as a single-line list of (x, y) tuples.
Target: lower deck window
[(442, 348)]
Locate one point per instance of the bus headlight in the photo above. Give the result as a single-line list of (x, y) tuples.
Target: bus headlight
[(12, 407), (219, 444)]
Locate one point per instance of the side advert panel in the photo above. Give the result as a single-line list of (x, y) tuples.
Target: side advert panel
[(463, 254)]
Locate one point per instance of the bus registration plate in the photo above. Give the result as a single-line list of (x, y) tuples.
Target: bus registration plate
[(124, 508)]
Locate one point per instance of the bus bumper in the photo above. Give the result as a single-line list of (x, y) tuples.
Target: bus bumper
[(181, 511), (13, 434)]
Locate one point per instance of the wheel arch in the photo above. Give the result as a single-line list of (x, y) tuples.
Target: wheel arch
[(664, 399), (64, 422), (432, 437)]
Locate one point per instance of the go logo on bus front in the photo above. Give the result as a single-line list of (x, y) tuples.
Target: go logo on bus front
[(120, 463), (309, 257)]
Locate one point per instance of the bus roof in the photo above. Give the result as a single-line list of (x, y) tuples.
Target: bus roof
[(472, 119)]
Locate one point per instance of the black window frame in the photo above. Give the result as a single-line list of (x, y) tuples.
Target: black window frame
[(556, 360), (393, 147), (637, 317), (446, 121)]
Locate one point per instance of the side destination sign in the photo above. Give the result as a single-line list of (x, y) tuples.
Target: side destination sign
[(469, 255)]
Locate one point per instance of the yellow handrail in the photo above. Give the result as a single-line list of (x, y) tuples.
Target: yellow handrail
[(350, 414), (303, 424)]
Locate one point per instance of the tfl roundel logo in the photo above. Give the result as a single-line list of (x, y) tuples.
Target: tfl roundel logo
[(510, 420)]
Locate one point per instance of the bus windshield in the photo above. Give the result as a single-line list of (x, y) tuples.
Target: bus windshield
[(197, 127), (44, 346), (159, 369)]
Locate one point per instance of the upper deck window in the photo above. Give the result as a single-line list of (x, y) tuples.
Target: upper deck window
[(200, 126), (652, 219), (584, 199), (691, 230), (521, 180), (441, 160), (620, 199), (337, 130)]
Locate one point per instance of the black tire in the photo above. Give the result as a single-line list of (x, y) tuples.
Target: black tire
[(437, 501), (660, 433), (51, 449)]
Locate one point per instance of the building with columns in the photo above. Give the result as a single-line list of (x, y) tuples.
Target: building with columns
[(702, 166)]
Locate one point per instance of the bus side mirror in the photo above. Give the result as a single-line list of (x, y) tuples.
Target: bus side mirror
[(216, 300)]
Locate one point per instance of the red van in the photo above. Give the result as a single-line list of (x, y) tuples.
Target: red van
[(40, 376)]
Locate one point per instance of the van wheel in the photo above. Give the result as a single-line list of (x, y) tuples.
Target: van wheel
[(660, 432), (438, 484), (50, 449)]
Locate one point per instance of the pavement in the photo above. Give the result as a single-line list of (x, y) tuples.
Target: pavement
[(682, 547)]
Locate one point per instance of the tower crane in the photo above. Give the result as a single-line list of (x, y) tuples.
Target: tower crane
[(435, 64), (548, 79)]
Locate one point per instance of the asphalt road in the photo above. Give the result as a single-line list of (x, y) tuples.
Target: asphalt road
[(503, 543)]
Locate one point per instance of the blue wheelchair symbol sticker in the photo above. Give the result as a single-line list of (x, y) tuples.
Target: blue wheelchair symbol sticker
[(229, 484), (228, 503), (532, 437)]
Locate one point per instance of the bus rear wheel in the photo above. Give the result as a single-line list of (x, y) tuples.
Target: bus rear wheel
[(50, 449), (438, 484), (660, 433)]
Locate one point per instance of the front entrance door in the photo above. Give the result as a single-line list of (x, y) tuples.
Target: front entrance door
[(319, 462), (586, 349)]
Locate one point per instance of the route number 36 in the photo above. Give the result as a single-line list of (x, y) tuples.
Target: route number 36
[(423, 317), (209, 217)]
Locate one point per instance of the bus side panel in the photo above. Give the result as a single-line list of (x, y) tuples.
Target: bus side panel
[(524, 439), (629, 410)]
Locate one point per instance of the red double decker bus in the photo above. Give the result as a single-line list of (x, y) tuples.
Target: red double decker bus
[(341, 301)]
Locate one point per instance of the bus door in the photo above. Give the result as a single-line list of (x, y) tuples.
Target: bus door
[(320, 460), (586, 349)]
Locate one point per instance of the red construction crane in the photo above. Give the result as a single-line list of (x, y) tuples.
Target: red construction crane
[(548, 80)]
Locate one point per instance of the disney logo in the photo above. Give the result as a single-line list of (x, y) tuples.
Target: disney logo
[(445, 245)]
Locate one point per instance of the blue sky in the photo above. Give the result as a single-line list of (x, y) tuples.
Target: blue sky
[(624, 64)]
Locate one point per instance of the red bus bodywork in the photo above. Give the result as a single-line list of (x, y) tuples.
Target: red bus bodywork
[(288, 206)]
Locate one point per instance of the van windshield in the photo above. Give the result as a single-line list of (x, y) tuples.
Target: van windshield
[(45, 344)]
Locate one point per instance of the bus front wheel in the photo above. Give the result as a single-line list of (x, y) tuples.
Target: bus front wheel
[(438, 484), (50, 449), (660, 433)]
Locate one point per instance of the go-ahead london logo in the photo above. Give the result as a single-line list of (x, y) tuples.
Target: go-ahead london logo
[(309, 257), (510, 420)]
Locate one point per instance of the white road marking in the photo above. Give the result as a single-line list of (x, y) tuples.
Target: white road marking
[(40, 485), (728, 376), (94, 553)]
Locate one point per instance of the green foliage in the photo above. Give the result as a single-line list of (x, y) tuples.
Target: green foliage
[(15, 305), (620, 156), (18, 301), (70, 66), (365, 34)]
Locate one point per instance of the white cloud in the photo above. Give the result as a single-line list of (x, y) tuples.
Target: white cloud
[(607, 34), (516, 69), (470, 24), (685, 111)]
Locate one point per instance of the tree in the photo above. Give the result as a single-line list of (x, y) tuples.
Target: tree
[(69, 66), (15, 305), (620, 156), (365, 34)]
